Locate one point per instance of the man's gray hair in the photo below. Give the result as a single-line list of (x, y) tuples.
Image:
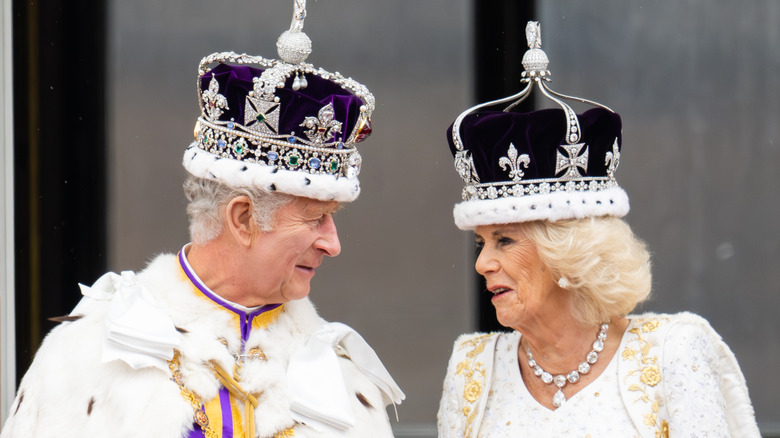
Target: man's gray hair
[(207, 198)]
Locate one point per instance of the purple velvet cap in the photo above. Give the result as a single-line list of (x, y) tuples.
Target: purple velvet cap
[(236, 81), (520, 167), (538, 134)]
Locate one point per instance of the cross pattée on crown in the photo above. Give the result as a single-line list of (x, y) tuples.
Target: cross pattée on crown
[(572, 162)]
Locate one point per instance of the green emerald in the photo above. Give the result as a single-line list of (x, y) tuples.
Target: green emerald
[(260, 118), (239, 148), (294, 160), (334, 165)]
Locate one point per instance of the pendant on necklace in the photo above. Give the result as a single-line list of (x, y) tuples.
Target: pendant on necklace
[(559, 399), (560, 380)]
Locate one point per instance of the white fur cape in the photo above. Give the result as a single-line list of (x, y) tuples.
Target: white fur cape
[(69, 392)]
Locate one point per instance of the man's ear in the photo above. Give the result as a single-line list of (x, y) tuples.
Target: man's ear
[(240, 221)]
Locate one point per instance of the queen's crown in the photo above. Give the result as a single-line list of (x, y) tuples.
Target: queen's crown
[(548, 164)]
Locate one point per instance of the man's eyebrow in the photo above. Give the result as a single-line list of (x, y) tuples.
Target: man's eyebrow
[(323, 209)]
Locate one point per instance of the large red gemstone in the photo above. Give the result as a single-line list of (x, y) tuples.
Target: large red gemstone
[(364, 131)]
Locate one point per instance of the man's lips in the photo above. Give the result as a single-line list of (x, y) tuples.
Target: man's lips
[(308, 268)]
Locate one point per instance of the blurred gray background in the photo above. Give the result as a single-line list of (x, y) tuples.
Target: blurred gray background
[(696, 83)]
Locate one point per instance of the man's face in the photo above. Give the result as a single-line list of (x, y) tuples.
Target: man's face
[(286, 257)]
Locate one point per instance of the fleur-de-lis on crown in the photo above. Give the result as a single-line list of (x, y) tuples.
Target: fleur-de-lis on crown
[(464, 165), (213, 100), (323, 127), (612, 160), (514, 162), (572, 162)]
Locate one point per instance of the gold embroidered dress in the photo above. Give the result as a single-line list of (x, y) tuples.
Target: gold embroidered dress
[(671, 376)]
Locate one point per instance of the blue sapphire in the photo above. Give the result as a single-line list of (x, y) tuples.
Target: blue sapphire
[(221, 144), (314, 163), (292, 139), (273, 156), (340, 145), (231, 125)]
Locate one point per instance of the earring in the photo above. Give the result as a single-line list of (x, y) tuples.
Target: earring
[(563, 282)]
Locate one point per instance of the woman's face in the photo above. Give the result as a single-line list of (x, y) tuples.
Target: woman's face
[(522, 287)]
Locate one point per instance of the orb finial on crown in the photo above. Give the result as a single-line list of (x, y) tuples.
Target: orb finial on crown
[(293, 45), (535, 60)]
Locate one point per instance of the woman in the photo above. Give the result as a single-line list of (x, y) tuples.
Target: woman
[(565, 272)]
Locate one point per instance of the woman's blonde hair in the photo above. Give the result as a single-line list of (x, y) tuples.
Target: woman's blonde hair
[(607, 267)]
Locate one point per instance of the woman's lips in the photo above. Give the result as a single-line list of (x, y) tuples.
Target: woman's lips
[(499, 290)]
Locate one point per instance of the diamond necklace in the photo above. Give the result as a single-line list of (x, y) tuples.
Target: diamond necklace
[(560, 380)]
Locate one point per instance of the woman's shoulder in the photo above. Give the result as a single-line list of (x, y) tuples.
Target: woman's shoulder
[(478, 339), (700, 372), (672, 325), (469, 377), (479, 349), (682, 335), (681, 317)]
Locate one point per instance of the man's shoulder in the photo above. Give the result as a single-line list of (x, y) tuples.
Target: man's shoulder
[(163, 268)]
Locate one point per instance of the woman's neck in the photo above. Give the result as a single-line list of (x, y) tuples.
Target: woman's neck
[(561, 345)]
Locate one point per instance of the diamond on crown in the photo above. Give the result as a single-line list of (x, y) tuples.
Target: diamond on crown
[(464, 165), (323, 127), (214, 102), (514, 161), (612, 159), (473, 191), (572, 162), (261, 116)]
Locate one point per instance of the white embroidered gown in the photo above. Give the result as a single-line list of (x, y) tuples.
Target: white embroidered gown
[(511, 411), (672, 375)]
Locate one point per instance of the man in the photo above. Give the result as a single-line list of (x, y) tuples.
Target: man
[(221, 340)]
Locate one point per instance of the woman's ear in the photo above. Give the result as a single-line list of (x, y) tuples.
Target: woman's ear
[(240, 221)]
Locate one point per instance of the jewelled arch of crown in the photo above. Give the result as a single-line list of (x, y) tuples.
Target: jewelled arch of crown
[(570, 157), (257, 139)]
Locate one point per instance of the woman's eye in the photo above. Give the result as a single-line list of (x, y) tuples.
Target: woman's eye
[(479, 245), (505, 241)]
